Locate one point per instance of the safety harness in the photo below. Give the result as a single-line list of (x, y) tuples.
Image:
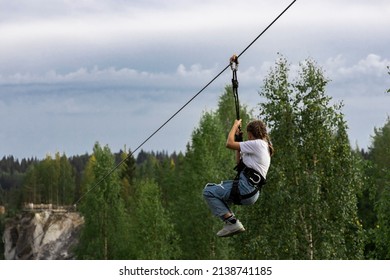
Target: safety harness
[(253, 177)]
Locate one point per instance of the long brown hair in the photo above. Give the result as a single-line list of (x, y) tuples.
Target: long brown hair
[(259, 131)]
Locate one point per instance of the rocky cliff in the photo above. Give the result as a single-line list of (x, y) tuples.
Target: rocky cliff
[(42, 235)]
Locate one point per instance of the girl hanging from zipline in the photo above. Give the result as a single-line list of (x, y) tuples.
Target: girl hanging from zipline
[(253, 160)]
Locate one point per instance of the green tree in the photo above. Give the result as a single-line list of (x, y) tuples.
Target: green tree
[(203, 163), (165, 177), (66, 181), (127, 176), (50, 181), (382, 232), (206, 160), (30, 185), (104, 235), (379, 155), (308, 209), (151, 233)]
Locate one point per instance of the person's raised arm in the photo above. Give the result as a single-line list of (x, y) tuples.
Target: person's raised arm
[(230, 142)]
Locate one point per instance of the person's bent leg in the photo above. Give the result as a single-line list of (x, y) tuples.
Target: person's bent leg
[(217, 197)]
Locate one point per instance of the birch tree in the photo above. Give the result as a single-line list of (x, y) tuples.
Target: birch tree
[(308, 208)]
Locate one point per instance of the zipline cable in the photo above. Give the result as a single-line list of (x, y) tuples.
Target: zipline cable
[(181, 108)]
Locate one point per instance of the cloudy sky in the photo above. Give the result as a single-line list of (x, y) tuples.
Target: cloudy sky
[(73, 72)]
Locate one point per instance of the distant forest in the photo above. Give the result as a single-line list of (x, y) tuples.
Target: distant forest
[(323, 199), (15, 174)]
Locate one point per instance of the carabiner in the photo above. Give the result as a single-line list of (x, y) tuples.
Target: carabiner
[(234, 62), (258, 179)]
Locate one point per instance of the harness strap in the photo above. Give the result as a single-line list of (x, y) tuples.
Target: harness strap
[(249, 195), (234, 67), (235, 194), (255, 178)]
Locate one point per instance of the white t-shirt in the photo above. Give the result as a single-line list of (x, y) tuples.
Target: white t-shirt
[(255, 155)]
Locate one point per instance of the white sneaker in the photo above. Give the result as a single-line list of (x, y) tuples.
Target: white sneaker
[(230, 229)]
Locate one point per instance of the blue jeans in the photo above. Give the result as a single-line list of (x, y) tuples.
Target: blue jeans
[(217, 195)]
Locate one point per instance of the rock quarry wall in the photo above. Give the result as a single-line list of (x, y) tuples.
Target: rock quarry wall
[(42, 235)]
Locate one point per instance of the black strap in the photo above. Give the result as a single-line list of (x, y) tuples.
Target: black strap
[(245, 196), (254, 177), (237, 197), (235, 194), (234, 67)]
